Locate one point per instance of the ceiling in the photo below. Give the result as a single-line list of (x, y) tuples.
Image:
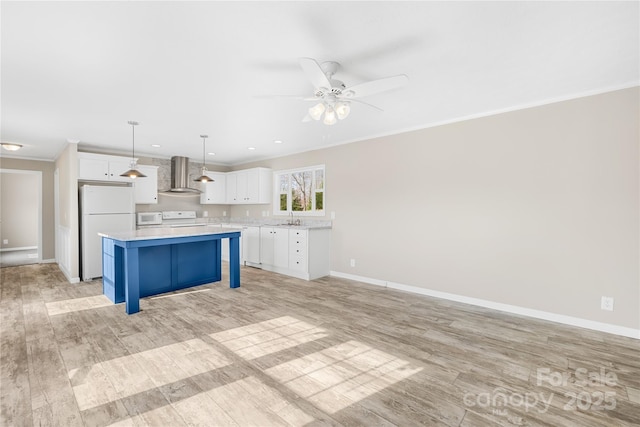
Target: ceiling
[(78, 71)]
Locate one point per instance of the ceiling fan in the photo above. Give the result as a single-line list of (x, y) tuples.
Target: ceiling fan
[(333, 99)]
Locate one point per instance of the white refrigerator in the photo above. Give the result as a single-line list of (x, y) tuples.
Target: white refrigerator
[(103, 209)]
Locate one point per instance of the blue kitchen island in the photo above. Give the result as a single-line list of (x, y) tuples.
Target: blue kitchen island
[(151, 261)]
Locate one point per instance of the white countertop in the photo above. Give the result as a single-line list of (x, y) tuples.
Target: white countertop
[(290, 226), (240, 224), (165, 233)]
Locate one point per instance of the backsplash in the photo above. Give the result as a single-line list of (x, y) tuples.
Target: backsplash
[(177, 202), (164, 172)]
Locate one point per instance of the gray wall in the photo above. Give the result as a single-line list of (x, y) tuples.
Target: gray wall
[(48, 228), (19, 210), (536, 208)]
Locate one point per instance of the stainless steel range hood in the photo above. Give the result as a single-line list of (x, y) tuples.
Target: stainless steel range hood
[(180, 176)]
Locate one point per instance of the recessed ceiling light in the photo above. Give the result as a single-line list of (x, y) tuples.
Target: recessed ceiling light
[(251, 148), (10, 146), (211, 154), (277, 141), (156, 145)]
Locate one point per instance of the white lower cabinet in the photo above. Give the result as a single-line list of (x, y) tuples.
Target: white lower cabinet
[(225, 243), (251, 246), (298, 252), (274, 246), (302, 253)]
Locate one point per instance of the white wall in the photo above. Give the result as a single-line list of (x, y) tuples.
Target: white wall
[(67, 231)]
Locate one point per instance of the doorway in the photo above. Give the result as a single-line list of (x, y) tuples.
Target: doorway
[(20, 217)]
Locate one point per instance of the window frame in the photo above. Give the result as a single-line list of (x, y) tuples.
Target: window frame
[(277, 193)]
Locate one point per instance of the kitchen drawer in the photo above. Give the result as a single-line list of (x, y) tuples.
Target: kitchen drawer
[(298, 251), (298, 263), (297, 237)]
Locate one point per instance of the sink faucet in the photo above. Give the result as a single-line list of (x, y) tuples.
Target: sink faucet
[(291, 220)]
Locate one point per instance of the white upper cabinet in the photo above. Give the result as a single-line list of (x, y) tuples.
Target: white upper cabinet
[(250, 186), (146, 189), (214, 193), (120, 166), (101, 167), (93, 169)]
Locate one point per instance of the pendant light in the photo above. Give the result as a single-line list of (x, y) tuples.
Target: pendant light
[(132, 172), (203, 177)]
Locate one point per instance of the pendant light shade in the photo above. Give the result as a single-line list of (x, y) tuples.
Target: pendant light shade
[(133, 173), (203, 178)]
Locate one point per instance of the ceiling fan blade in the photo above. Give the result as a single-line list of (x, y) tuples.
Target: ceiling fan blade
[(375, 86), (294, 97), (314, 73), (307, 118), (278, 96), (360, 102)]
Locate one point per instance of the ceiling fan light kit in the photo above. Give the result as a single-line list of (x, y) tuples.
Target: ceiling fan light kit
[(330, 116), (316, 111), (342, 110), (333, 95)]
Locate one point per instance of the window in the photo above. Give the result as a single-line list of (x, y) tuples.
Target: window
[(300, 191)]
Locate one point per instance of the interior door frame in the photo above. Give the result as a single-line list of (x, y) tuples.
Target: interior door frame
[(39, 192)]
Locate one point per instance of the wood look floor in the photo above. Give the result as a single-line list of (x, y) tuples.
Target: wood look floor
[(282, 351)]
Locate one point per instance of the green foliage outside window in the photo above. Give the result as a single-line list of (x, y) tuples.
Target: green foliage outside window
[(301, 190)]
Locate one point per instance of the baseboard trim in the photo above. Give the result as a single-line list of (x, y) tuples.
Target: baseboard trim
[(68, 275), (513, 309), (23, 248)]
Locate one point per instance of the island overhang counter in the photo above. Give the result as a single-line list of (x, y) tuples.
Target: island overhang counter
[(152, 261)]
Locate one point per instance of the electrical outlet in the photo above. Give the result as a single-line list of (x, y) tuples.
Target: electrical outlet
[(333, 215), (5, 242), (247, 213), (205, 214), (353, 262), (606, 303), (224, 213)]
